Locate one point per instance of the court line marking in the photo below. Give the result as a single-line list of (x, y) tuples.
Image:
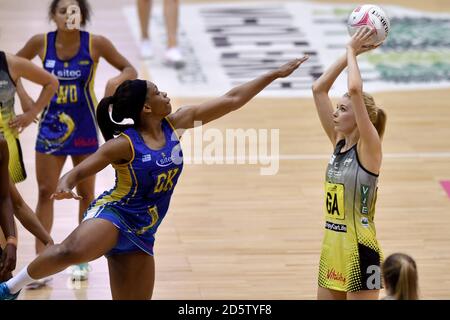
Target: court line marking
[(405, 155)]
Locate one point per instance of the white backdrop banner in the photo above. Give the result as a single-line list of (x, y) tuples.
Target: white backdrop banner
[(228, 44)]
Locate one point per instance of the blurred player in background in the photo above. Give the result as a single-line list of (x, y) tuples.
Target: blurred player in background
[(173, 56), (67, 126)]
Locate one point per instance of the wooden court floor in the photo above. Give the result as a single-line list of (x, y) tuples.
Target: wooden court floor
[(232, 233)]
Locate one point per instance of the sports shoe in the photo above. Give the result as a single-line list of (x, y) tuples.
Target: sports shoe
[(146, 49), (174, 58), (37, 284), (5, 294), (80, 272)]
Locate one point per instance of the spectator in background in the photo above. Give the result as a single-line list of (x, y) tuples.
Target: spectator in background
[(173, 56)]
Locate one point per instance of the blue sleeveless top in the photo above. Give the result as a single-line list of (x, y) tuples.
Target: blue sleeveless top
[(144, 186), (68, 124)]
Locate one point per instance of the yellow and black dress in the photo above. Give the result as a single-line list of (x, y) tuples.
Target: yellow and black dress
[(7, 92), (351, 257)]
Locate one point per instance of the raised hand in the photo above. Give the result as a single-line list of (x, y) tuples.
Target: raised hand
[(359, 40), (366, 48), (286, 69)]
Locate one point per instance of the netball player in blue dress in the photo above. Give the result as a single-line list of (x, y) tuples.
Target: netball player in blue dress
[(67, 126), (122, 222)]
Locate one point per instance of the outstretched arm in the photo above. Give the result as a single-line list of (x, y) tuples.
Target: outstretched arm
[(370, 140), (211, 110), (322, 86), (103, 47), (114, 151), (22, 68)]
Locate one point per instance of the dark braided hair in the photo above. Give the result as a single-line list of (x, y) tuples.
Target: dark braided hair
[(127, 102), (85, 9)]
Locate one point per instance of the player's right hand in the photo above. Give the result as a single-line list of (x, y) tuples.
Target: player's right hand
[(286, 69), (60, 194)]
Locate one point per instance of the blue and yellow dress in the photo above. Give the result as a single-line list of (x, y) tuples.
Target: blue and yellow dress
[(144, 186), (68, 125)]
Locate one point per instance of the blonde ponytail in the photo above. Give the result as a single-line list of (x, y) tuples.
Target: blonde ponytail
[(377, 115), (400, 277)]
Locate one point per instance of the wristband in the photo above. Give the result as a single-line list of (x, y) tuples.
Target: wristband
[(12, 240)]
